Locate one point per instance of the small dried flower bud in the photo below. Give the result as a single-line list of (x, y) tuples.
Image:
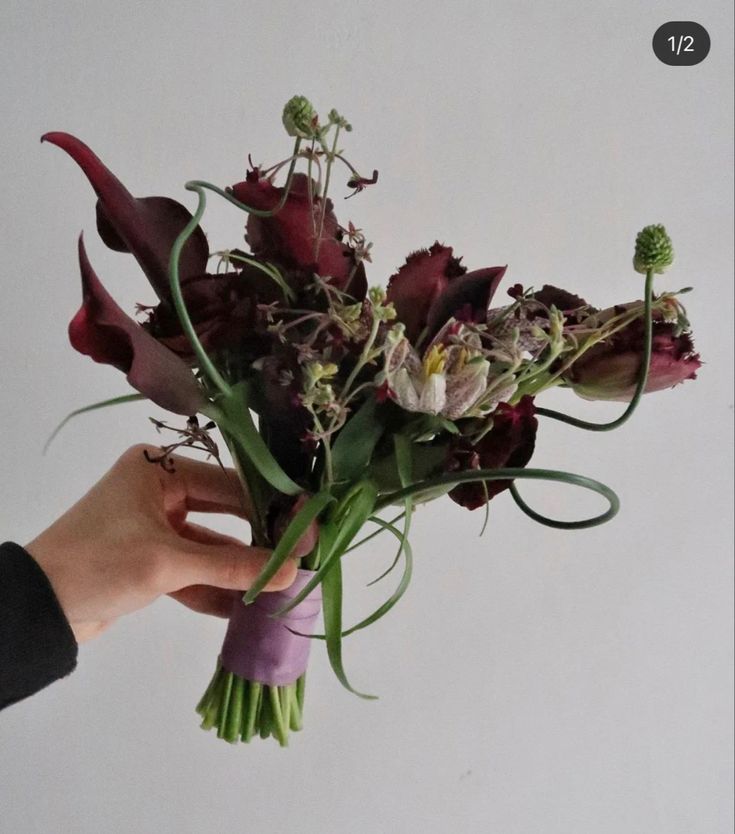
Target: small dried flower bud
[(335, 119), (299, 118), (376, 295), (351, 312), (389, 311), (653, 250)]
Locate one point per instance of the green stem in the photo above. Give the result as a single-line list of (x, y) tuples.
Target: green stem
[(300, 689), (205, 363), (234, 711), (224, 705), (209, 719), (364, 357), (279, 724), (330, 161), (255, 694)]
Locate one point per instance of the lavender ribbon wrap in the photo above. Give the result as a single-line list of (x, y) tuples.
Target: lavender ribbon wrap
[(260, 648)]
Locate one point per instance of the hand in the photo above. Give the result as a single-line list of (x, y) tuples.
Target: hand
[(127, 542)]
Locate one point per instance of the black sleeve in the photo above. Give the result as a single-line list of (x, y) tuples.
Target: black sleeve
[(37, 645)]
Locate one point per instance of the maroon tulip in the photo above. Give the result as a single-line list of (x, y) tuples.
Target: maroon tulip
[(509, 443), (103, 331), (610, 370), (288, 237), (432, 286)]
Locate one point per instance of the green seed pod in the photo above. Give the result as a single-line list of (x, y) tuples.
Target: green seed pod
[(300, 118), (653, 250)]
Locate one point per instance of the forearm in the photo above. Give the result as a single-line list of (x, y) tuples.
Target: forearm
[(37, 645)]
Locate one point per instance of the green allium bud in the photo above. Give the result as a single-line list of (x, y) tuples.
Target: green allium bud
[(653, 250), (300, 118)]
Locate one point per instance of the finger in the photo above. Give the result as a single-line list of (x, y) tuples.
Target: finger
[(233, 566), (204, 535), (205, 487), (204, 599)]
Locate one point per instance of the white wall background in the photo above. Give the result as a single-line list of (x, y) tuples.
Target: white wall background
[(533, 682)]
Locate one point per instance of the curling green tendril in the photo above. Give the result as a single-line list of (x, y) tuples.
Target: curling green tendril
[(455, 478)]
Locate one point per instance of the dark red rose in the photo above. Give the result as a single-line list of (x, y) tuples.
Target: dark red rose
[(509, 444), (432, 286)]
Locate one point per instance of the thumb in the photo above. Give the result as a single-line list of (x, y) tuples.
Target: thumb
[(228, 565)]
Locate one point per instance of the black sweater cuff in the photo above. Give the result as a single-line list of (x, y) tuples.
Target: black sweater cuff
[(37, 645)]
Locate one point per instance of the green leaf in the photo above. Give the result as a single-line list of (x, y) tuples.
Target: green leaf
[(295, 530), (383, 526), (332, 603), (125, 398), (355, 444), (236, 419), (403, 457), (405, 548), (336, 535)]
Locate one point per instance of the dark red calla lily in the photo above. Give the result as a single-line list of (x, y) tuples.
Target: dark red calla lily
[(288, 237), (100, 329), (432, 286), (222, 307), (509, 443), (146, 227)]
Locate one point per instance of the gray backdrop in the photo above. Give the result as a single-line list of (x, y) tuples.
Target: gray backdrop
[(532, 681)]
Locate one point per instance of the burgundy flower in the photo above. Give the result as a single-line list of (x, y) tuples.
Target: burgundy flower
[(610, 370), (432, 286), (288, 237), (564, 301), (146, 227), (509, 443), (224, 312), (103, 331), (222, 307)]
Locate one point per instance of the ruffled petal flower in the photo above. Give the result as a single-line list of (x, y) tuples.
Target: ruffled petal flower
[(288, 237), (419, 282), (101, 330), (610, 370), (433, 286)]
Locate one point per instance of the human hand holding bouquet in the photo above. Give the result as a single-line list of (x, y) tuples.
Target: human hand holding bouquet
[(365, 398)]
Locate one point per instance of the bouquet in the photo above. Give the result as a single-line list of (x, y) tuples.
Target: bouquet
[(339, 401)]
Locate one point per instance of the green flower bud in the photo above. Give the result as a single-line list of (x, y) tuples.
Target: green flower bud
[(653, 250), (300, 118)]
